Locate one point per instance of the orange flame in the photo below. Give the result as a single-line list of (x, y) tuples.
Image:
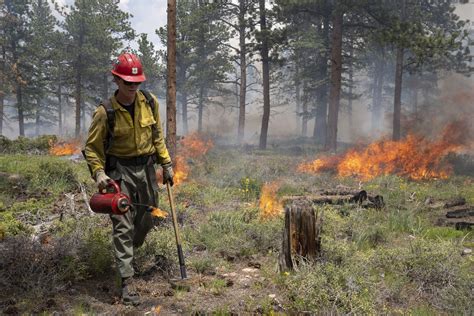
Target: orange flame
[(191, 147), (182, 170), (415, 157), (64, 148), (156, 212), (194, 146), (269, 205)]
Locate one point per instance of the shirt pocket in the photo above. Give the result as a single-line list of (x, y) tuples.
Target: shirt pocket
[(146, 126), (147, 121)]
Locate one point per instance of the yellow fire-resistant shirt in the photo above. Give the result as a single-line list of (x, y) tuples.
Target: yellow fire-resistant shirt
[(131, 138)]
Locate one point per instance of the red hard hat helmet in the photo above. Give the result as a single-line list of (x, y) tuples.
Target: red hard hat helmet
[(128, 67)]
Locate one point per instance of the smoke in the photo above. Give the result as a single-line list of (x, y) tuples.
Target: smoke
[(455, 104)]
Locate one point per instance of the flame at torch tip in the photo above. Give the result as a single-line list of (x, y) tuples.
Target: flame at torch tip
[(156, 212)]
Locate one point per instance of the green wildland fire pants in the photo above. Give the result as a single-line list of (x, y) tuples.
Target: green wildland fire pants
[(138, 181)]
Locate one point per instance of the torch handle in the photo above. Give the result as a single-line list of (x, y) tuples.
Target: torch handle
[(114, 185), (182, 265)]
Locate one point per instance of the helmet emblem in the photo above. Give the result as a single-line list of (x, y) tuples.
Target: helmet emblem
[(134, 70)]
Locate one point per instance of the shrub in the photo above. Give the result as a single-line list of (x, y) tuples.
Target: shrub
[(238, 233), (436, 270), (10, 226), (204, 265), (328, 288), (24, 145)]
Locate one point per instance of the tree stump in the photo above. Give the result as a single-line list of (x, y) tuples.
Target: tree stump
[(301, 235)]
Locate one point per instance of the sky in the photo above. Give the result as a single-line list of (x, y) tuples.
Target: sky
[(148, 15)]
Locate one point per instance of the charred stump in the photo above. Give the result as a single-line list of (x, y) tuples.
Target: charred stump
[(301, 235)]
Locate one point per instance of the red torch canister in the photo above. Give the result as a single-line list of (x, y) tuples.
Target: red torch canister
[(110, 202)]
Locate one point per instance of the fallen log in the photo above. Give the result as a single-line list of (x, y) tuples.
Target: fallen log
[(464, 225), (459, 213), (301, 235), (455, 202), (360, 197)]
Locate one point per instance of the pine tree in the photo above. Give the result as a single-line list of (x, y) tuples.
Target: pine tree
[(95, 31), (40, 49)]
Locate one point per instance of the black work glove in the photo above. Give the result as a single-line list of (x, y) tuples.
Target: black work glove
[(168, 173)]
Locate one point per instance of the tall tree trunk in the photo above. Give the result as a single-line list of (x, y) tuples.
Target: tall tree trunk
[(415, 94), (2, 88), (304, 122), (37, 117), (200, 108), (336, 73), (320, 122), (266, 77), (60, 108), (105, 86), (171, 80), (184, 114), (243, 71), (297, 93), (397, 100), (83, 117), (78, 87), (21, 117), (351, 86), (378, 93), (183, 95)]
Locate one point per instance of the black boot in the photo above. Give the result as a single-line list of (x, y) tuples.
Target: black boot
[(129, 293)]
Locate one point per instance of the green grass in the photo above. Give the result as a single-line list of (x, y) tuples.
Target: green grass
[(389, 261)]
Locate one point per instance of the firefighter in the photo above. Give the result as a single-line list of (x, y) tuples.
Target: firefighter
[(126, 143)]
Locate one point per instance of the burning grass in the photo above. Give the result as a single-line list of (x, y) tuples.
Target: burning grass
[(415, 157), (65, 147), (269, 204)]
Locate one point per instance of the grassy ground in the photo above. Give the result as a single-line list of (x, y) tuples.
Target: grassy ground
[(393, 261)]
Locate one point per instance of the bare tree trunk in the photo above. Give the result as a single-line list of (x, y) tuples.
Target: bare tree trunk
[(2, 88), (19, 101), (351, 86), (184, 114), (320, 123), (78, 103), (2, 95), (266, 77), (83, 117), (336, 73), (397, 100), (243, 71), (304, 125), (60, 109), (37, 117), (105, 86), (297, 94), (171, 81), (200, 108), (415, 94), (378, 93)]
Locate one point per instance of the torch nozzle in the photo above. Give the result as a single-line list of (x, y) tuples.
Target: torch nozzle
[(151, 209)]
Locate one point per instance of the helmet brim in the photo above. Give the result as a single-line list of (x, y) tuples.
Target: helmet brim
[(137, 78)]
